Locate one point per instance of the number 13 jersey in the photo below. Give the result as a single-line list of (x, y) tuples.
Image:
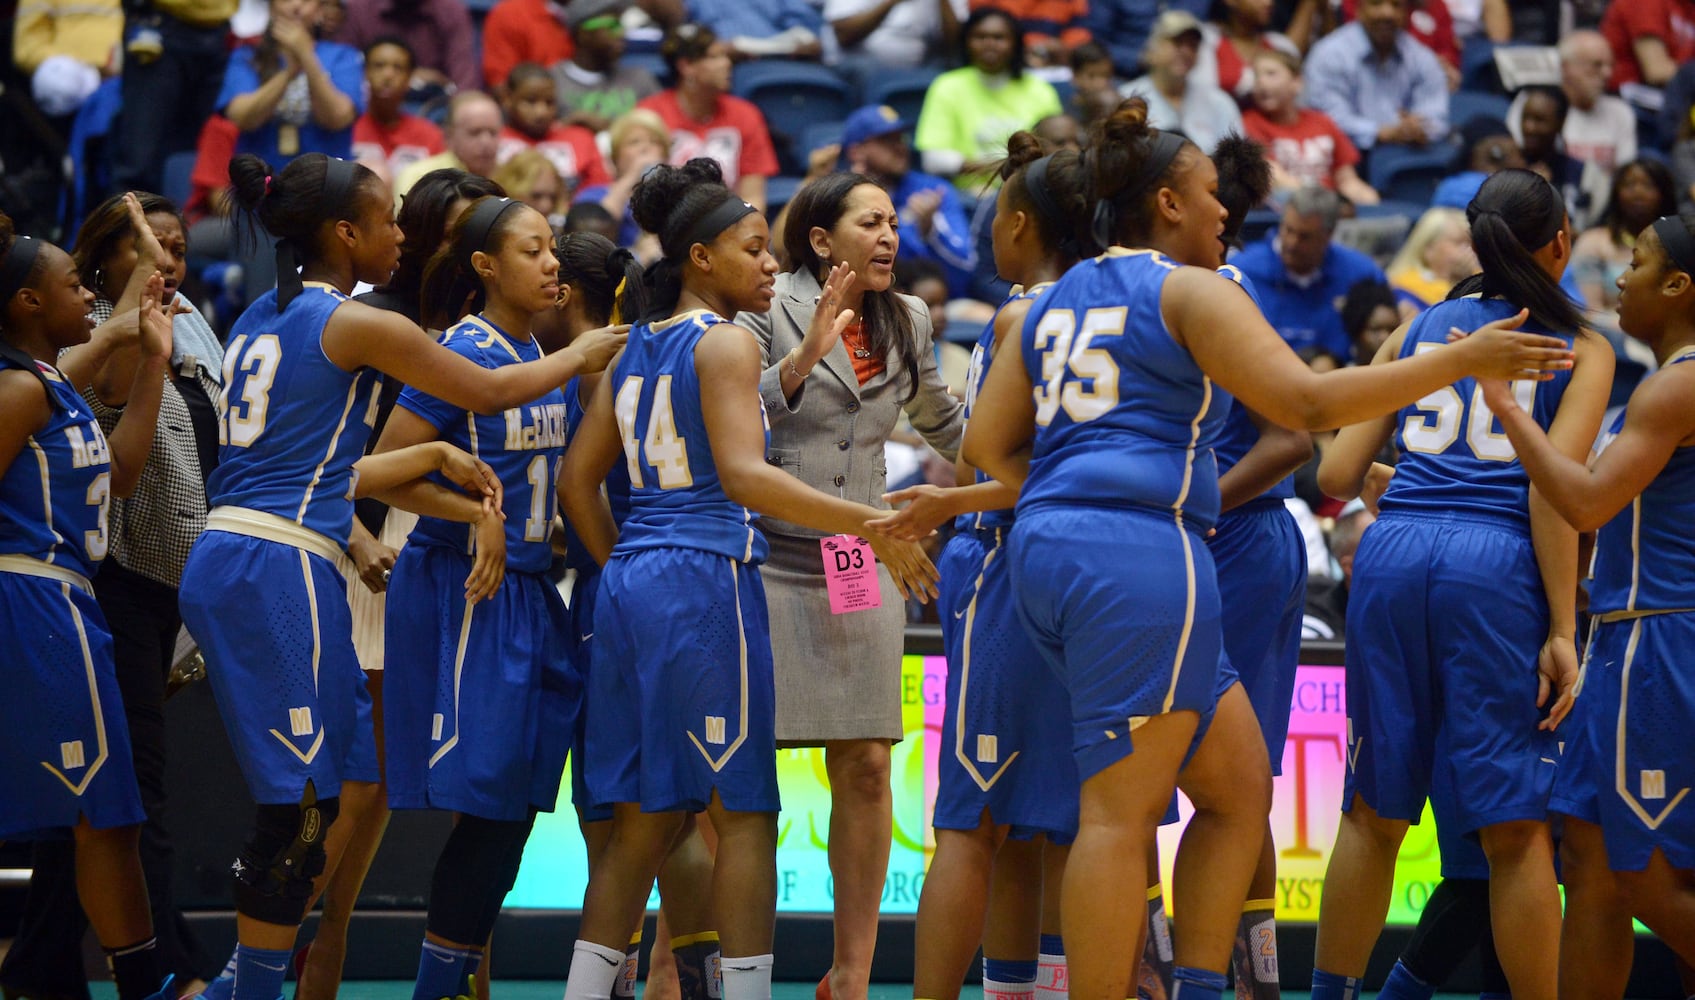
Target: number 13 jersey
[(291, 422), (1124, 416), (1454, 455), (676, 500)]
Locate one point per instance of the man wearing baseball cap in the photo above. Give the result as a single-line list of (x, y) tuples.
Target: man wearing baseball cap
[(933, 222), (1177, 99)]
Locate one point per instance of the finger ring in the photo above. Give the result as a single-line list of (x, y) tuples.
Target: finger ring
[(386, 574)]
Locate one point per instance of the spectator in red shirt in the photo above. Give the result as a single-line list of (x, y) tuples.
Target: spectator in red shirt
[(518, 31), (385, 134), (1305, 145), (532, 122), (706, 120), (437, 31), (1649, 38)]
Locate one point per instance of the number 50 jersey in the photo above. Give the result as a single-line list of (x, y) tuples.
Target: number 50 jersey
[(1454, 455), (291, 423), (1124, 416)]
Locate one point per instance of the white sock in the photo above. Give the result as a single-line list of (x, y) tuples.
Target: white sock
[(594, 970), (993, 990), (747, 978), (1052, 977)]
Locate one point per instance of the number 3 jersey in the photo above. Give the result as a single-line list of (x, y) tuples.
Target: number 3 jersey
[(292, 422), (1454, 455), (1124, 416), (676, 499), (54, 495), (525, 446)]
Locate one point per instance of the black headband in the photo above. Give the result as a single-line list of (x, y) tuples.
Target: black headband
[(481, 223), (1041, 197), (16, 265), (727, 214), (1161, 149), (339, 178), (1680, 246)]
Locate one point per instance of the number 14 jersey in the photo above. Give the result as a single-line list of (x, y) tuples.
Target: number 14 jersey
[(291, 422), (1454, 454), (676, 500)]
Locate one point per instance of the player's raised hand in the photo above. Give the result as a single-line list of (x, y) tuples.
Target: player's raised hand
[(599, 347), (154, 319), (1556, 673), (914, 574), (1499, 350), (926, 509), (488, 561)]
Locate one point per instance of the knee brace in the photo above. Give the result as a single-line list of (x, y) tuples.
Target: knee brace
[(274, 873), (476, 869)]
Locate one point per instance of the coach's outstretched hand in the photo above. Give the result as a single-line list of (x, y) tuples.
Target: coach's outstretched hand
[(1500, 350), (598, 347), (1556, 671), (914, 574), (926, 509)]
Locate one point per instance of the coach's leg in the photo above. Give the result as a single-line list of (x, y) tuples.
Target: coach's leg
[(1120, 810), (1524, 905), (861, 832), (952, 908), (1229, 783)]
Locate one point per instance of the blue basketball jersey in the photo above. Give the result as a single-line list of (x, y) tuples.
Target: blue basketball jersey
[(1124, 416), (1658, 523), (1454, 455), (525, 446), (617, 483), (1238, 434), (54, 495), (981, 356), (675, 497), (291, 423)]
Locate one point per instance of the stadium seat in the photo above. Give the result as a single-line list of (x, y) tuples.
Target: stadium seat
[(793, 95), (653, 62), (174, 178), (1477, 67), (901, 89), (818, 135), (1464, 105), (778, 191), (1405, 173)]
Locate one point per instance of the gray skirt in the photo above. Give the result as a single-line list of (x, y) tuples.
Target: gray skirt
[(838, 676)]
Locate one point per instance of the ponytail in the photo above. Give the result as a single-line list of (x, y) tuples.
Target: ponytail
[(1516, 213), (452, 288)]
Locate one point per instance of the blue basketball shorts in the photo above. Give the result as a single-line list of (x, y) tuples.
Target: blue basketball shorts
[(580, 638), (64, 744), (1629, 765), (274, 626), (1446, 618), (681, 698), (1006, 734), (1262, 583), (480, 700), (1123, 605)]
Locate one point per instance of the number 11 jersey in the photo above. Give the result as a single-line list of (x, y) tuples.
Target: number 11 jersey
[(291, 422)]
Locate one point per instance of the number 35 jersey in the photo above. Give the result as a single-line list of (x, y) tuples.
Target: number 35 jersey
[(291, 423), (54, 495), (676, 500), (525, 446), (1124, 416), (1454, 455)]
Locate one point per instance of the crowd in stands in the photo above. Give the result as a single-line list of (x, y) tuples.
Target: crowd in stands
[(1379, 118)]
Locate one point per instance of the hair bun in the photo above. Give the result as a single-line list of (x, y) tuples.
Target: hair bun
[(1022, 148)]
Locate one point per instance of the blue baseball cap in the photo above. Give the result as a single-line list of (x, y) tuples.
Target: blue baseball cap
[(870, 122)]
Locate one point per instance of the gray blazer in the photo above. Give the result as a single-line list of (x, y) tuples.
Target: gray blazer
[(831, 434)]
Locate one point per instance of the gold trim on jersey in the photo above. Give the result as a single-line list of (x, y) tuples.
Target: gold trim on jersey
[(965, 685), (94, 703), (30, 566), (271, 528)]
